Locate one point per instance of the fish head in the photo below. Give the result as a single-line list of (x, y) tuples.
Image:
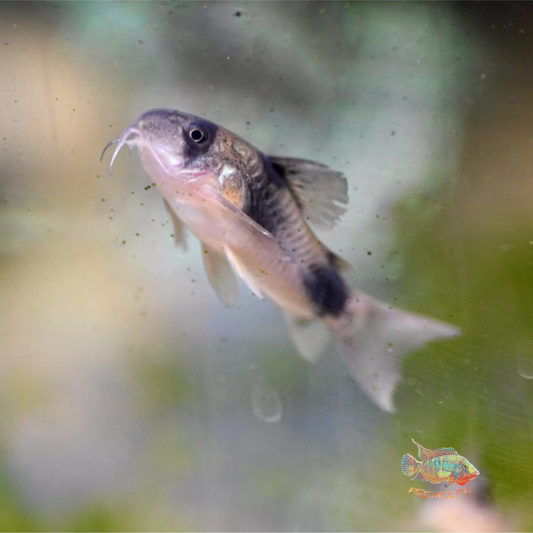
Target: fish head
[(467, 471), (169, 142), (184, 147)]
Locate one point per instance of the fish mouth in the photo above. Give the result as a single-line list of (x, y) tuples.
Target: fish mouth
[(151, 148), (470, 477), (128, 137)]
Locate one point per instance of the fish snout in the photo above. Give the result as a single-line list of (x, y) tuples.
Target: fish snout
[(161, 124), (472, 474)]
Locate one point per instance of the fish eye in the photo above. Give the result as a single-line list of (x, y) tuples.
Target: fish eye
[(465, 467), (198, 135)]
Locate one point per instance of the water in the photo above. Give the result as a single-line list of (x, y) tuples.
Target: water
[(524, 365), (266, 403), (131, 398)]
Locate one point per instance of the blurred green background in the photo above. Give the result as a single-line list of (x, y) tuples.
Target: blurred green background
[(130, 398)]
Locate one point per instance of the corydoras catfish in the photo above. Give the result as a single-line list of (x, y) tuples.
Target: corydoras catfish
[(251, 213)]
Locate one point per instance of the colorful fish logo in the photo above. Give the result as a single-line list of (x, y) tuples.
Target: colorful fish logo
[(437, 466)]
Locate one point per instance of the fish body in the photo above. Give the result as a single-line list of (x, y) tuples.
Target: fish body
[(443, 465), (252, 213)]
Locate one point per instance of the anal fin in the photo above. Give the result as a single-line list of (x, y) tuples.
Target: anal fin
[(310, 336)]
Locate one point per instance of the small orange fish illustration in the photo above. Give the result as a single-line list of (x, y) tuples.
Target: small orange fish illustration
[(438, 466)]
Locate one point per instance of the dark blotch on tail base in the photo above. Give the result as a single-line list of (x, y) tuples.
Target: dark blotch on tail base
[(327, 290)]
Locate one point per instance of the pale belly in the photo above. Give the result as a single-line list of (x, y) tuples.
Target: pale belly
[(259, 261)]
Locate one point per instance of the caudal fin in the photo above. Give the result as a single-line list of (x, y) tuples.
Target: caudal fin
[(409, 465), (373, 337)]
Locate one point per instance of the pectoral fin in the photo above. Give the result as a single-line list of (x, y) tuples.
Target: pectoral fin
[(247, 276), (247, 239), (220, 275), (250, 236), (237, 217)]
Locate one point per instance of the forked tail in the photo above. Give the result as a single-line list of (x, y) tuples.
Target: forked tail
[(373, 337)]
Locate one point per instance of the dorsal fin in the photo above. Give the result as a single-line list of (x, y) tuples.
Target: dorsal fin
[(322, 193), (424, 454)]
